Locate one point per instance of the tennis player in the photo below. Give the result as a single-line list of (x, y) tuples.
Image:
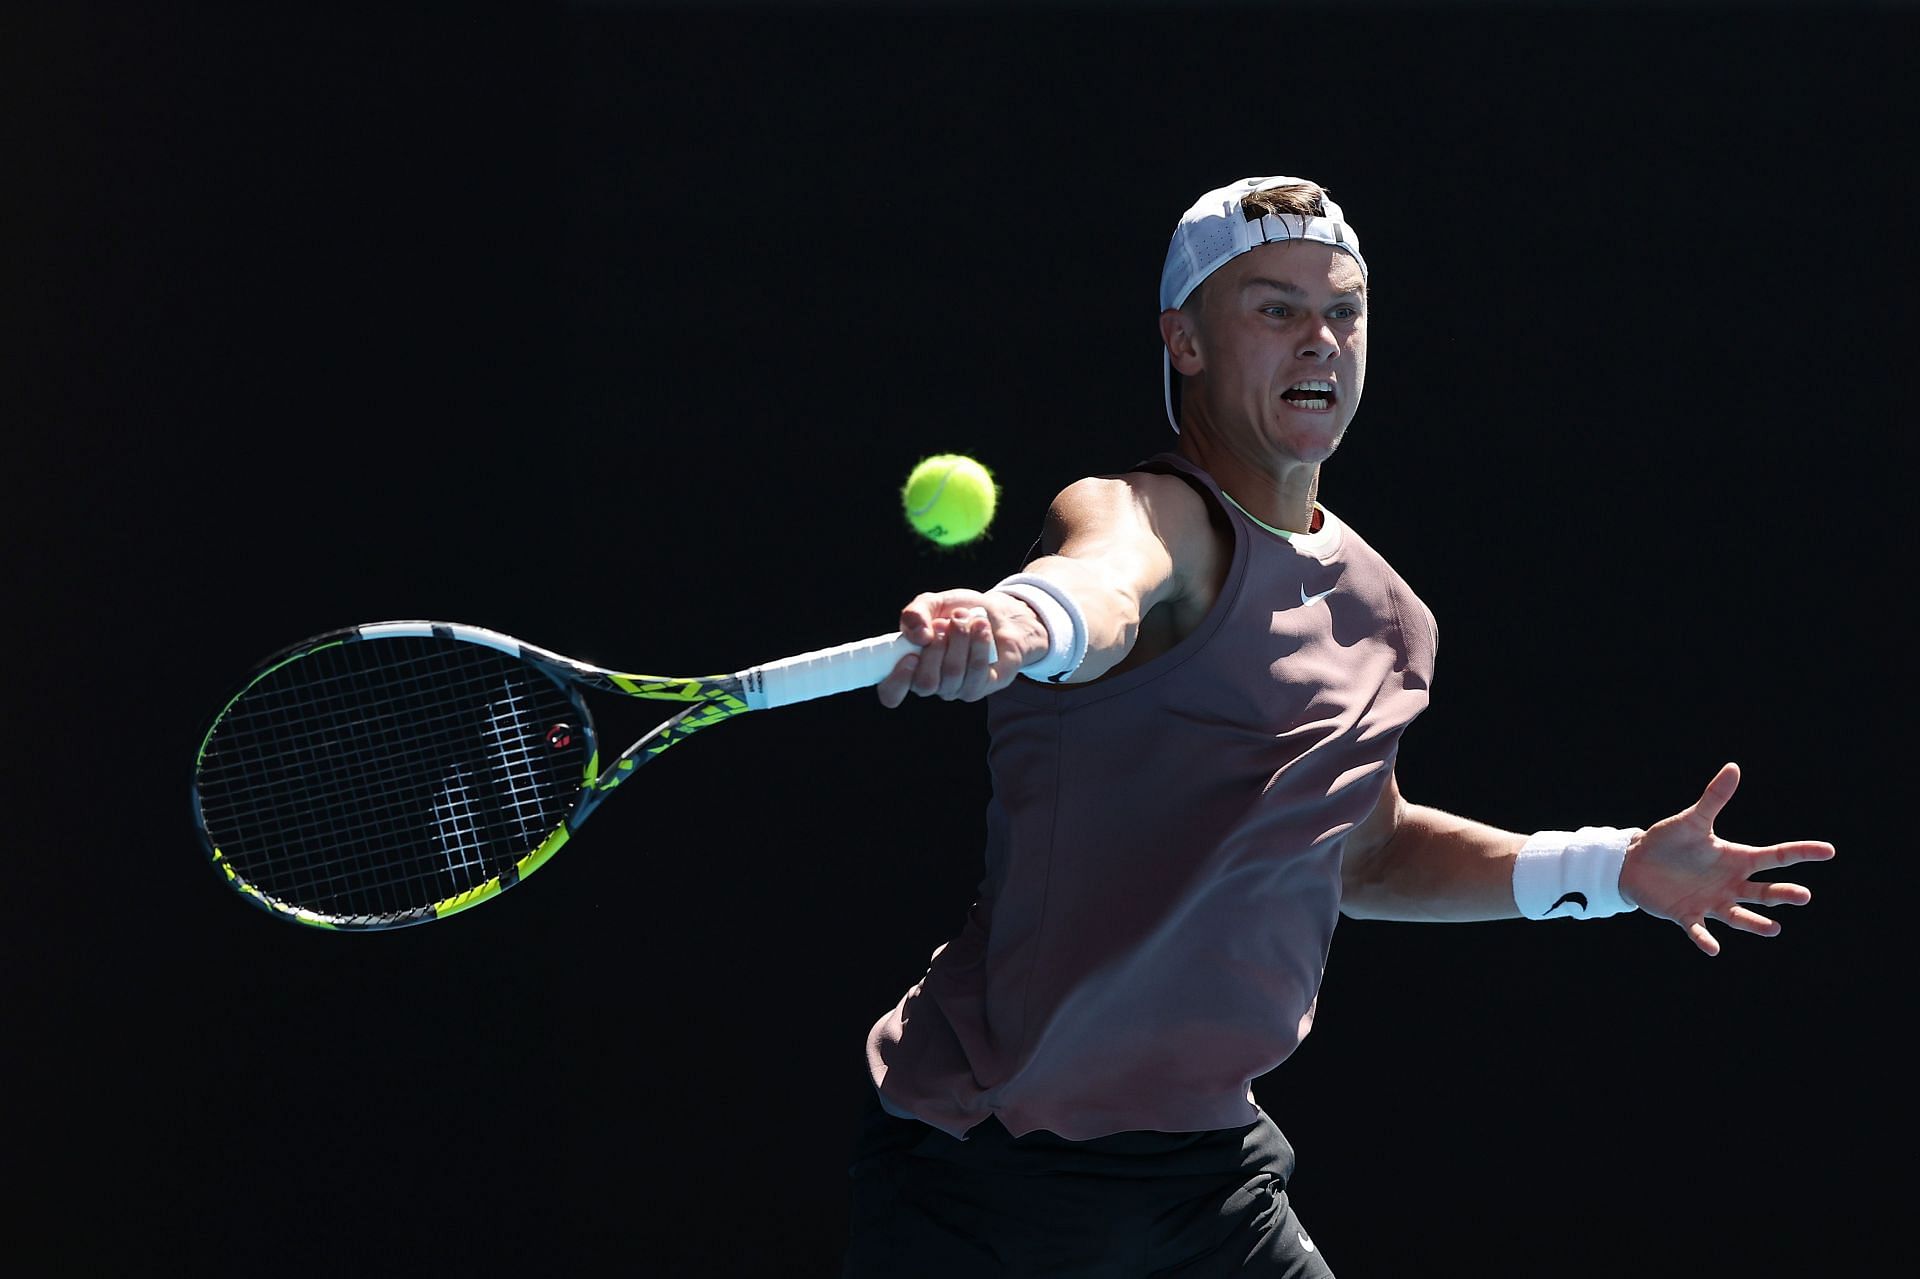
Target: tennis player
[(1200, 680)]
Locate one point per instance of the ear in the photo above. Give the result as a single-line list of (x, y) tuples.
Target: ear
[(1181, 333)]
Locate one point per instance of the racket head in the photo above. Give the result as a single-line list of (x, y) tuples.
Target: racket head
[(387, 775)]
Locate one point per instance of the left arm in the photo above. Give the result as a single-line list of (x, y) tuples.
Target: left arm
[(1411, 862)]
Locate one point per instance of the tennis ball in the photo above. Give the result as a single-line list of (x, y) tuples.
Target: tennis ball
[(949, 498)]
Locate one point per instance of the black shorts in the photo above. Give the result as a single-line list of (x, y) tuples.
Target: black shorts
[(1129, 1206)]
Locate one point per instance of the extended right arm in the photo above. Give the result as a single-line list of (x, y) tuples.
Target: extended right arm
[(1117, 546)]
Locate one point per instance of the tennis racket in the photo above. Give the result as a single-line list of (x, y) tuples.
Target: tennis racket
[(400, 772)]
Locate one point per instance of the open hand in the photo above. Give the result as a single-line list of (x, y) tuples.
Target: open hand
[(1681, 871)]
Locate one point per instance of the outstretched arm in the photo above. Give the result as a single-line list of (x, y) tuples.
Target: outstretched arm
[(1117, 546), (1412, 862)]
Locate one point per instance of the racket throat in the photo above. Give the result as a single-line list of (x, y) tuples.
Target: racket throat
[(687, 722)]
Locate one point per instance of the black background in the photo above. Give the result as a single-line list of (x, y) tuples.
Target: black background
[(617, 327)]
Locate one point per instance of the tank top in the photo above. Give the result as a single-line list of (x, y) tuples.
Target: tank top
[(1162, 862)]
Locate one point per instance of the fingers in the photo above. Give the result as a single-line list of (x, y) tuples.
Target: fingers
[(952, 669), (893, 689), (965, 668), (916, 619), (1705, 940), (1775, 894), (1718, 792), (980, 660), (1748, 921), (925, 621), (957, 660), (1805, 850), (1709, 878)]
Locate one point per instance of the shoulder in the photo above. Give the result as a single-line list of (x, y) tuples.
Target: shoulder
[(1168, 506), (1157, 527), (1414, 618)]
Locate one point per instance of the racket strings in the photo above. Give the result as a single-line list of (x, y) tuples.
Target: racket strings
[(322, 833), (372, 780), (294, 749), (356, 860), (457, 812)]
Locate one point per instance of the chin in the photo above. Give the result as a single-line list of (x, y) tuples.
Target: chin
[(1312, 446)]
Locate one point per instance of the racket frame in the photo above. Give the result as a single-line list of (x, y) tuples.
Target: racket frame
[(708, 700)]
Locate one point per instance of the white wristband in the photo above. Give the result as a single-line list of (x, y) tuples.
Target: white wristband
[(1572, 874), (1066, 625)]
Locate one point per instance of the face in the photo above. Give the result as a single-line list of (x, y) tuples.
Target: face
[(1279, 351)]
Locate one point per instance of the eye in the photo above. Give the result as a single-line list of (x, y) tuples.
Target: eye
[(1345, 312), (1276, 307)]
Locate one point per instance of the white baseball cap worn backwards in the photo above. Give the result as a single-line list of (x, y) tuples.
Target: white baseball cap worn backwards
[(1216, 230)]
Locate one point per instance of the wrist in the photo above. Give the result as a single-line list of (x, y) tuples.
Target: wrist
[(1060, 615), (1573, 874)]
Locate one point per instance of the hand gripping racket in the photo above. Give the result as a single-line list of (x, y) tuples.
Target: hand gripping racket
[(396, 773)]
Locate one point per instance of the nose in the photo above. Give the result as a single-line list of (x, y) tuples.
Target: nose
[(1318, 342)]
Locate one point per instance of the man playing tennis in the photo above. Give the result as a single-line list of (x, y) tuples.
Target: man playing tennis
[(1200, 682)]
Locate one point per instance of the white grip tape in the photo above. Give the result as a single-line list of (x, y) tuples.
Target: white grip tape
[(1066, 625), (824, 672), (1572, 874)]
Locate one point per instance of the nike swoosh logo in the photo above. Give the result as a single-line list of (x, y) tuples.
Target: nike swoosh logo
[(1313, 599), (1578, 899)]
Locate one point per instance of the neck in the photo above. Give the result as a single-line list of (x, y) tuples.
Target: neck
[(1283, 500), (1313, 521)]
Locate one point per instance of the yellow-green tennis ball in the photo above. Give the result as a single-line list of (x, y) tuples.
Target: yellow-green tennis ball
[(949, 498)]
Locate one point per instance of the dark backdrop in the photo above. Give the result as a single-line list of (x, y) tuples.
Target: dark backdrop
[(617, 327)]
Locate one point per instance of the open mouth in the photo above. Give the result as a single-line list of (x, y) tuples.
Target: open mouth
[(1309, 395)]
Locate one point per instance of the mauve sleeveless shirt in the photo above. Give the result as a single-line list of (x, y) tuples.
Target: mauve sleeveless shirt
[(1162, 872)]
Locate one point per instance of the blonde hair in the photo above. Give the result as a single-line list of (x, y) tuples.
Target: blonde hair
[(1301, 199)]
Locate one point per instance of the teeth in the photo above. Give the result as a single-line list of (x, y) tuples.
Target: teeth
[(1314, 387)]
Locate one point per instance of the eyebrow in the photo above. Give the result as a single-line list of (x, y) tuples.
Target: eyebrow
[(1290, 289)]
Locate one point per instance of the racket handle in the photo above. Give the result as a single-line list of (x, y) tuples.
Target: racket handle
[(824, 672)]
